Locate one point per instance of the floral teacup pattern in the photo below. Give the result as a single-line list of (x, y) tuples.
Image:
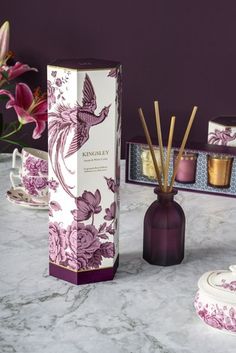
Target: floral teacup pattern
[(36, 186), (33, 162), (35, 167)]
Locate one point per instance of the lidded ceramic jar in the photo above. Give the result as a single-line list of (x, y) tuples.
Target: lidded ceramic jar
[(215, 301)]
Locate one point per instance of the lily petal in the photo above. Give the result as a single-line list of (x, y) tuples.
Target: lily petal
[(10, 103), (23, 116), (41, 107), (18, 69), (39, 129), (24, 96), (4, 39), (41, 116), (27, 108), (7, 93)]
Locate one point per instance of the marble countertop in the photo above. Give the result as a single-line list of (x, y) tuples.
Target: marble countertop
[(145, 309)]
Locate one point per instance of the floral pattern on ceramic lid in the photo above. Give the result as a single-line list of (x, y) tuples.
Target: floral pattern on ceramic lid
[(220, 284), (215, 302), (227, 280)]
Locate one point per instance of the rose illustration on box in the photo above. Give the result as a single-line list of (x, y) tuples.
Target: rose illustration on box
[(80, 246)]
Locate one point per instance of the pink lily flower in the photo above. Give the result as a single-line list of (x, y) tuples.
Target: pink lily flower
[(28, 107), (4, 41), (8, 73), (17, 70)]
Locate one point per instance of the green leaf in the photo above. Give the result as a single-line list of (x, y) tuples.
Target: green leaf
[(4, 74), (8, 86)]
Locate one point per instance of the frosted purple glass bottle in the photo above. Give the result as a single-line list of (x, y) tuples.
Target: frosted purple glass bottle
[(164, 230)]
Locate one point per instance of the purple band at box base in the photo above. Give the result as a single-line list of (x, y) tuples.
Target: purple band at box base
[(106, 274)]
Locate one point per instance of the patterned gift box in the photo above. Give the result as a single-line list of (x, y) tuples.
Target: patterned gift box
[(222, 131), (84, 153), (135, 174)]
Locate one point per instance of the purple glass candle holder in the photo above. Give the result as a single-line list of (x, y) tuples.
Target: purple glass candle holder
[(186, 172), (164, 230)]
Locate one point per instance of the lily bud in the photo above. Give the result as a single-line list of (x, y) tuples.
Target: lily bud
[(4, 40)]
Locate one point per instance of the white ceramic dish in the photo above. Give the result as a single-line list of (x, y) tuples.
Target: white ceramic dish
[(19, 197), (215, 301)]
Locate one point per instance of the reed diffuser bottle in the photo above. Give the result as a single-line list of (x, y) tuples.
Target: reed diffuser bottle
[(164, 230), (164, 221)]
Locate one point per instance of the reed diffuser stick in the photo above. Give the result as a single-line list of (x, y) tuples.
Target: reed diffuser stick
[(182, 146), (149, 141), (159, 135), (170, 138)]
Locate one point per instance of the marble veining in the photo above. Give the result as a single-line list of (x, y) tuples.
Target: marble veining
[(145, 309)]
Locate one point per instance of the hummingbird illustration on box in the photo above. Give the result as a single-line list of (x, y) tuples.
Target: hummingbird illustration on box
[(78, 119)]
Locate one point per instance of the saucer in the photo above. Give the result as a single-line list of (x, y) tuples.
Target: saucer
[(21, 198)]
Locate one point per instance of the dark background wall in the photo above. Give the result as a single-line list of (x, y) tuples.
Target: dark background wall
[(181, 52)]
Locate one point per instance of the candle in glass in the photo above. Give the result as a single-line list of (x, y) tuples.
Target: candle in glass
[(186, 172), (148, 169), (219, 169)]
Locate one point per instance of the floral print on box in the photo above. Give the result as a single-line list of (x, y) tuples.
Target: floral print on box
[(54, 87), (55, 205), (57, 243), (221, 137), (111, 184), (219, 317), (81, 246), (77, 247), (87, 205), (53, 184)]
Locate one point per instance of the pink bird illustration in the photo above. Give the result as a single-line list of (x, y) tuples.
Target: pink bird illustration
[(221, 137), (78, 119), (86, 118)]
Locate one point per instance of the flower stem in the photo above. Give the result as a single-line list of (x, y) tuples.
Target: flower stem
[(12, 132), (13, 143)]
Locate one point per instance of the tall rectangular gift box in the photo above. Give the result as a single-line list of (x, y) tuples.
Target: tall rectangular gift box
[(84, 169)]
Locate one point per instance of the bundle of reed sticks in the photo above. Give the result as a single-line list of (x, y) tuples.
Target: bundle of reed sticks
[(162, 176)]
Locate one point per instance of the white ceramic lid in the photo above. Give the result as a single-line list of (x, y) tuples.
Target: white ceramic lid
[(220, 285)]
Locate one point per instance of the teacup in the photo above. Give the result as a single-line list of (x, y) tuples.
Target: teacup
[(33, 162), (36, 186)]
